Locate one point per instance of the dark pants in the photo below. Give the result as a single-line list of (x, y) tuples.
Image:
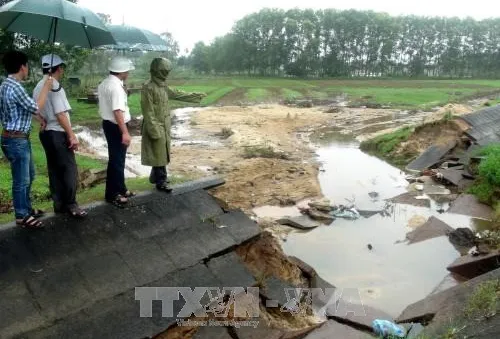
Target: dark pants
[(115, 179), (18, 152), (62, 169), (158, 175)]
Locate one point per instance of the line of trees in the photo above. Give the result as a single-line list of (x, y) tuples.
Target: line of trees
[(332, 43)]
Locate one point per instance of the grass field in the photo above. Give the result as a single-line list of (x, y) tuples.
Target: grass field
[(406, 94), (394, 93)]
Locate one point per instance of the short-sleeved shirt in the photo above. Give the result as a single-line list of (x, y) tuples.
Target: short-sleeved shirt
[(112, 97), (16, 106), (56, 103)]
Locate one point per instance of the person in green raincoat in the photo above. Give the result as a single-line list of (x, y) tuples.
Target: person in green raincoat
[(156, 121)]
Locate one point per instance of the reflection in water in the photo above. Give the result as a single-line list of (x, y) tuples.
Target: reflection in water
[(393, 274)]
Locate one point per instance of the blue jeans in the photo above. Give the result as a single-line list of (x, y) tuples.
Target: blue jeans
[(18, 152)]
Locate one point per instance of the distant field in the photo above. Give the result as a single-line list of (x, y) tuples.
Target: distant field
[(406, 94), (394, 93)]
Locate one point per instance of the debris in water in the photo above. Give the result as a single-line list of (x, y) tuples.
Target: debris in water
[(370, 247), (318, 215), (369, 214), (322, 205), (430, 157), (463, 237), (436, 190), (422, 197), (346, 213), (409, 199), (416, 221), (386, 328), (433, 228), (467, 204), (302, 222)]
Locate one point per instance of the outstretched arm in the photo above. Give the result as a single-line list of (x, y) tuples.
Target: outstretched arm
[(179, 95)]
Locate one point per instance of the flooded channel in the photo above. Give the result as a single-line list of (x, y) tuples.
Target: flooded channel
[(390, 274), (393, 274)]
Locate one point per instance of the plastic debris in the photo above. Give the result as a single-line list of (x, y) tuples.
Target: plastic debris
[(344, 212), (386, 328)]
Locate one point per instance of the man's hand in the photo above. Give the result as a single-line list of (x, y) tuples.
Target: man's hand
[(126, 139), (41, 120), (73, 142), (43, 124), (48, 83)]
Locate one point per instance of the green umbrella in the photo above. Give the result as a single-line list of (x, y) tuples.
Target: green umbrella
[(133, 38), (55, 21)]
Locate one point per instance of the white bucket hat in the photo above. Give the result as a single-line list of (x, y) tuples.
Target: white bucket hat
[(120, 65)]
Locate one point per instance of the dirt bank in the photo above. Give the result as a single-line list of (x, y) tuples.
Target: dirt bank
[(261, 154), (401, 144)]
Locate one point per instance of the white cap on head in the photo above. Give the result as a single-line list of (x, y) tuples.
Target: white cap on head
[(120, 65), (51, 60)]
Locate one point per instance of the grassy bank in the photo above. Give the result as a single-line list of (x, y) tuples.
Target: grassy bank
[(384, 146), (487, 186)]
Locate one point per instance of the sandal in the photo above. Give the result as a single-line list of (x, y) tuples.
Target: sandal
[(36, 213), (129, 194), (119, 201), (30, 222), (77, 212), (164, 188)]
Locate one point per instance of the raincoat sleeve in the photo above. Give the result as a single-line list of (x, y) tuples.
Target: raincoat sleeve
[(179, 95), (151, 124)]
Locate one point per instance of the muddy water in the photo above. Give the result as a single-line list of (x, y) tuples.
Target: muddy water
[(94, 143), (393, 274)]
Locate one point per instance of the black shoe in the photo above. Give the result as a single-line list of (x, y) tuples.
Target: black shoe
[(163, 187)]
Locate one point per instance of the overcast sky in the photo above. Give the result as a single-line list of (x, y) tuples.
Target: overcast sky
[(193, 20)]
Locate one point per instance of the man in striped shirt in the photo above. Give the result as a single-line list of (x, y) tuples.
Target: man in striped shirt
[(17, 109)]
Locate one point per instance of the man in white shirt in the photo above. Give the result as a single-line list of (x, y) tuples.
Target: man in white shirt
[(58, 140), (114, 111)]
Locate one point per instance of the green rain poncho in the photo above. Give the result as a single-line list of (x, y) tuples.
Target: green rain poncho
[(156, 116)]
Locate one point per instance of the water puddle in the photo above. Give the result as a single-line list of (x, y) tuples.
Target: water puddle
[(182, 118), (393, 274)]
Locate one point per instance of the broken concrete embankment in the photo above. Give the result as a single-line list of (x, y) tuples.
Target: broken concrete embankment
[(464, 311), (441, 158)]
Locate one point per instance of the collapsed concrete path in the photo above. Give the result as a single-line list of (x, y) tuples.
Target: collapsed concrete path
[(77, 278)]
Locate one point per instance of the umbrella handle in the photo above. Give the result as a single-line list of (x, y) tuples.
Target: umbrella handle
[(55, 21)]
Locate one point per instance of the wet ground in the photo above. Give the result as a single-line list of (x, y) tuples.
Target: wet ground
[(94, 142), (393, 274)]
